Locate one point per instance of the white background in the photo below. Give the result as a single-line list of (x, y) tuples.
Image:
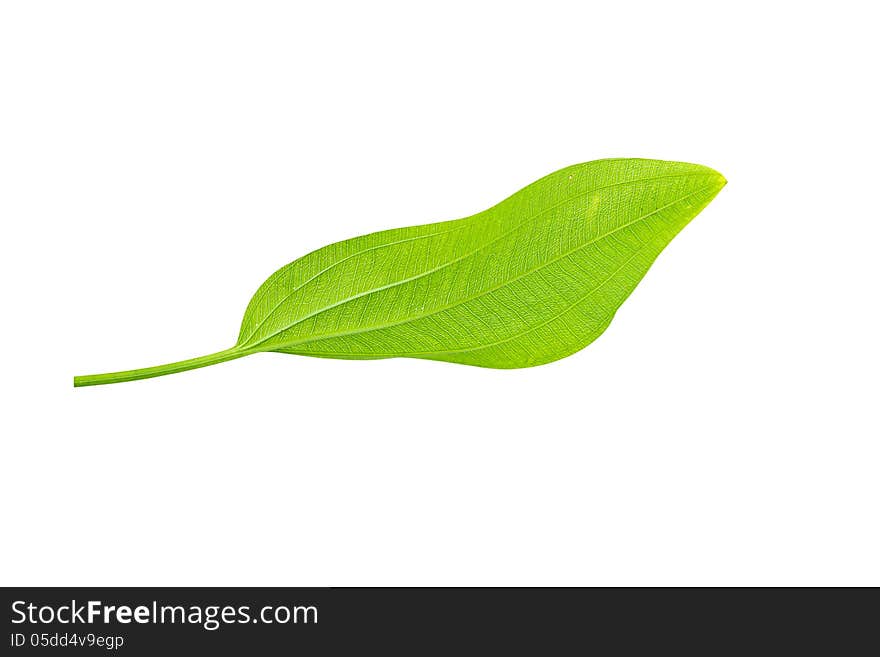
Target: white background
[(161, 159)]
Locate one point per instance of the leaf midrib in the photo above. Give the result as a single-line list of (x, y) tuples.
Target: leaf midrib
[(443, 266), (315, 338)]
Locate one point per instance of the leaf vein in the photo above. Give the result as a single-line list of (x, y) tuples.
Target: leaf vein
[(315, 338), (467, 255)]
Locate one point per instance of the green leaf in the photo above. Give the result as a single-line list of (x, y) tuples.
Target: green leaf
[(529, 281)]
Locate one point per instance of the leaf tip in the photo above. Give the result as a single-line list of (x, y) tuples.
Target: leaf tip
[(719, 178)]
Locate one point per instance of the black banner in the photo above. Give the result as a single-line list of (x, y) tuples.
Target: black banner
[(171, 621)]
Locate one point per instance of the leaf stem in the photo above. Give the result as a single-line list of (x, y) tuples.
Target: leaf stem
[(160, 370)]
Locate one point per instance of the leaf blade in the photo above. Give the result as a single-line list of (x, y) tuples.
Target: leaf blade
[(487, 247)]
